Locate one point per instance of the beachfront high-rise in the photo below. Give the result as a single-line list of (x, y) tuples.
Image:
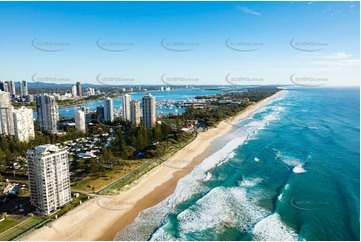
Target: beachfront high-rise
[(135, 112), (79, 117), (126, 107), (79, 92), (49, 178), (23, 89), (6, 114), (108, 110), (23, 124), (48, 115), (149, 117)]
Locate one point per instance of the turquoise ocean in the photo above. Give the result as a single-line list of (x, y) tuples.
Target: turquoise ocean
[(290, 171)]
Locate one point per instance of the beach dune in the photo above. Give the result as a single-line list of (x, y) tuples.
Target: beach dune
[(102, 217)]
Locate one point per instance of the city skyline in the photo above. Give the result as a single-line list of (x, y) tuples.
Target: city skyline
[(230, 43)]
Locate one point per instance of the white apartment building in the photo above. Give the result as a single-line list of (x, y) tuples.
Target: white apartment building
[(135, 112), (6, 114), (126, 107), (23, 89), (49, 178), (149, 115), (79, 117), (24, 124), (89, 91), (73, 91)]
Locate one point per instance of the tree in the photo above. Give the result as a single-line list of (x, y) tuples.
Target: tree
[(4, 215), (142, 137), (122, 147), (166, 130), (131, 135), (118, 146), (157, 133)]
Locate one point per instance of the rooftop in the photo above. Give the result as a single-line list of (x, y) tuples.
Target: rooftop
[(47, 149)]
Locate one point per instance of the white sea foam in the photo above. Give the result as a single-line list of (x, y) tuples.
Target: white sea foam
[(291, 161), (219, 208), (162, 235), (144, 225), (231, 155), (253, 127), (280, 197), (272, 228), (312, 127), (278, 108), (287, 187), (256, 159), (250, 182), (278, 153), (299, 169), (208, 176)]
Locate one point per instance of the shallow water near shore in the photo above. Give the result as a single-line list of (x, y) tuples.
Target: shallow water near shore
[(288, 172)]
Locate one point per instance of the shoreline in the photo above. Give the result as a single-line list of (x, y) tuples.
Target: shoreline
[(116, 212)]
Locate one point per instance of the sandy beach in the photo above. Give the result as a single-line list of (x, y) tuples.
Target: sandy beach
[(102, 217)]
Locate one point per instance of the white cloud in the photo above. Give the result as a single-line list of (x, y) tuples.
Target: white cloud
[(345, 62), (337, 59), (249, 11), (337, 56)]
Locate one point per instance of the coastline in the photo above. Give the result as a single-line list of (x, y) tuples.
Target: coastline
[(116, 212)]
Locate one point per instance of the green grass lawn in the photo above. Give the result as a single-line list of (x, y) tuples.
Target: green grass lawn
[(7, 224), (107, 178), (17, 228)]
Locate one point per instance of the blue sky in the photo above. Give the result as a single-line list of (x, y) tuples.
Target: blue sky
[(181, 42)]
